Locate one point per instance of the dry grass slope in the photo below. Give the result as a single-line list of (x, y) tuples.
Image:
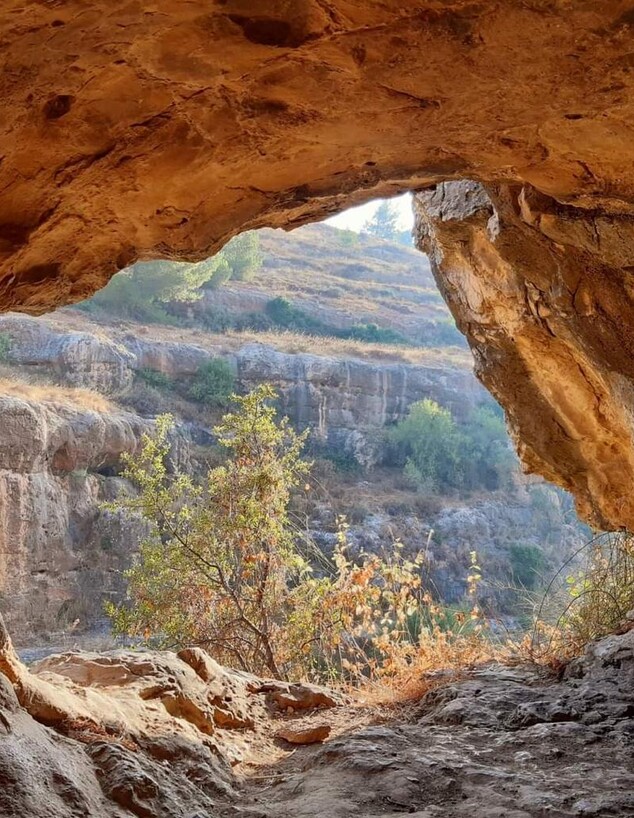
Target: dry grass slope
[(15, 387)]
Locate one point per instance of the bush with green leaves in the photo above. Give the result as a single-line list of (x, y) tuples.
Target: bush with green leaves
[(373, 334), (438, 453), (221, 567), (243, 256), (348, 238), (142, 290), (488, 459), (527, 565), (213, 383), (430, 442), (155, 378), (285, 315)]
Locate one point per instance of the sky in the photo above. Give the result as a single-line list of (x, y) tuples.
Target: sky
[(355, 217)]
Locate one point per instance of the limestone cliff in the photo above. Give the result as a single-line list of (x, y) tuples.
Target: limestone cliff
[(346, 401), (59, 556)]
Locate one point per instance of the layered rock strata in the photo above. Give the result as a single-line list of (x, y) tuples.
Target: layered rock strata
[(345, 401), (60, 556)]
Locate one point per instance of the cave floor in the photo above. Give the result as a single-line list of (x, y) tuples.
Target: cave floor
[(502, 743)]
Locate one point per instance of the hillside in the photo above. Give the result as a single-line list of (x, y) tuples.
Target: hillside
[(341, 279)]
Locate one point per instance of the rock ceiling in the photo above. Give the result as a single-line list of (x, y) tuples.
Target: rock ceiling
[(161, 128)]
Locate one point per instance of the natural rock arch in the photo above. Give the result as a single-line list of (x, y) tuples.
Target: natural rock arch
[(161, 129)]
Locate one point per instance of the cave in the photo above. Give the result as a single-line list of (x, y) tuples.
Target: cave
[(132, 134), (146, 130)]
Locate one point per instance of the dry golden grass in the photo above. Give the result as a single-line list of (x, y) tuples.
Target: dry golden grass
[(57, 395), (295, 342), (291, 342)]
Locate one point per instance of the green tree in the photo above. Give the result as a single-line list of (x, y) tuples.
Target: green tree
[(213, 383), (384, 223), (243, 256), (143, 289), (218, 564), (431, 443), (488, 458)]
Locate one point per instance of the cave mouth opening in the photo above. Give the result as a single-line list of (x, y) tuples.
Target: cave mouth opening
[(345, 316)]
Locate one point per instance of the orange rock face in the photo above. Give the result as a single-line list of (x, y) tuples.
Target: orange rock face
[(543, 293), (146, 129)]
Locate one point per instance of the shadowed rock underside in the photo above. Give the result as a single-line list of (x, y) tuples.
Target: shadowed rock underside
[(138, 130)]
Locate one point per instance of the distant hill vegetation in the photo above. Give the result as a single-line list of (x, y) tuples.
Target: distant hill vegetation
[(318, 280)]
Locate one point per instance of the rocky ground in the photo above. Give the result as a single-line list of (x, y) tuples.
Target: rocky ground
[(154, 734)]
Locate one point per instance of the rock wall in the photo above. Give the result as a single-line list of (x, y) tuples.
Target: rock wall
[(282, 115), (59, 556), (133, 132), (345, 401), (543, 293)]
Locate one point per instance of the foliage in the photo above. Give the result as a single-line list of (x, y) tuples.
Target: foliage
[(221, 568), (142, 289), (373, 334), (213, 383), (155, 378), (242, 256), (592, 601), (217, 567), (487, 460), (527, 565), (6, 342), (438, 453), (348, 238), (431, 442), (384, 223), (285, 315)]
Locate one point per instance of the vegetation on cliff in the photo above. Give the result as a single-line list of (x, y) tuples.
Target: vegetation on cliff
[(223, 567)]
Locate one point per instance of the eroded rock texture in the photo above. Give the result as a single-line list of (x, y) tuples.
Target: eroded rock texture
[(135, 734), (143, 129), (543, 291), (140, 130)]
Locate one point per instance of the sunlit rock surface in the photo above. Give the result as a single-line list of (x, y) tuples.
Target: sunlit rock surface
[(543, 293), (156, 735), (137, 131), (132, 131)]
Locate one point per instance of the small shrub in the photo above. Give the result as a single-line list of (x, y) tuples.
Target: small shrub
[(243, 257), (430, 441), (591, 602), (348, 238), (155, 378), (527, 565), (213, 383), (373, 334), (221, 568)]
